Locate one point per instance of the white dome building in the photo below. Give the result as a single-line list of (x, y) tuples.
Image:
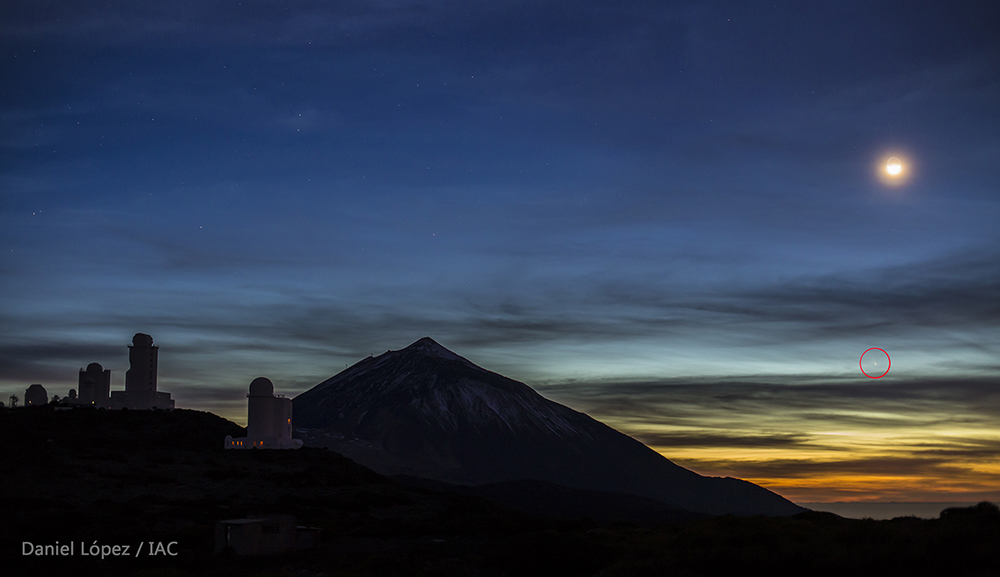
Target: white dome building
[(269, 420)]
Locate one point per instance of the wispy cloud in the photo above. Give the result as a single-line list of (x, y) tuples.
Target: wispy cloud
[(814, 442), (910, 303)]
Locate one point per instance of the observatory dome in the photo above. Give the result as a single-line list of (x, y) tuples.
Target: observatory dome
[(142, 340), (261, 387)]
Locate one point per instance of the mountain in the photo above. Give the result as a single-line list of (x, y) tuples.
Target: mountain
[(427, 412)]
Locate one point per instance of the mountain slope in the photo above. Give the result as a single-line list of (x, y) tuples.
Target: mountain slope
[(427, 412)]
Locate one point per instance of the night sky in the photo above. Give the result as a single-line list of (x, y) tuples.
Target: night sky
[(674, 216)]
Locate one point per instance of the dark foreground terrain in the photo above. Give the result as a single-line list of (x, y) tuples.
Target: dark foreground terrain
[(130, 477)]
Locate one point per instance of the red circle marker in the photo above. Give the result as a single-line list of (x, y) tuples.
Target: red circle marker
[(886, 369)]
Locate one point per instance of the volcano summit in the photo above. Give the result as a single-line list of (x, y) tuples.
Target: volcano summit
[(428, 412)]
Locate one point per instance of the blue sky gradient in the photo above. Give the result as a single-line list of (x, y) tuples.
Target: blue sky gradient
[(581, 196)]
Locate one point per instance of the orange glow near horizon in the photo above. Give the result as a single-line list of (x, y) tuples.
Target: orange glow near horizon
[(851, 469), (870, 454)]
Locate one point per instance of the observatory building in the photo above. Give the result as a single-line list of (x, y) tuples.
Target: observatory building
[(95, 386), (35, 396), (140, 379), (269, 420)]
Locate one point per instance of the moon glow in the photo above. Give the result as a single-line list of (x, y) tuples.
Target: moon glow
[(893, 169)]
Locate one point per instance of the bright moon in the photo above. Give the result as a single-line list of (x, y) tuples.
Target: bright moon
[(893, 170)]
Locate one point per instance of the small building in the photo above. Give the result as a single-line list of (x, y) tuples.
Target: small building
[(264, 536), (140, 379), (95, 387), (269, 420), (35, 396)]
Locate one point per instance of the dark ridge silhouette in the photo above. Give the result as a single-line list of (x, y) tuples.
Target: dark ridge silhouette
[(982, 510), (85, 429), (425, 411), (548, 500), (155, 476)]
